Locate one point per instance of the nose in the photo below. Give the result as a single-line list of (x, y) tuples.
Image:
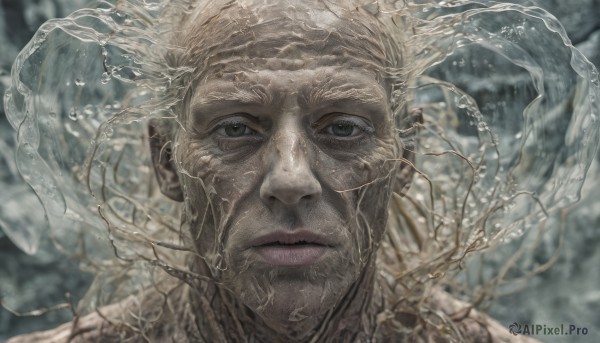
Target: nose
[(290, 179)]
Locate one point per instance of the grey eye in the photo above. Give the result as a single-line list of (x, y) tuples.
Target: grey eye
[(343, 129), (237, 130)]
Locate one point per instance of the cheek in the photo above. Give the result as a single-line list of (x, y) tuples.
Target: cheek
[(195, 160), (203, 161), (212, 191), (197, 169), (365, 185), (363, 167), (376, 196)]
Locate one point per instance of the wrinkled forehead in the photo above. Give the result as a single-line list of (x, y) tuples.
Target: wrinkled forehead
[(230, 36)]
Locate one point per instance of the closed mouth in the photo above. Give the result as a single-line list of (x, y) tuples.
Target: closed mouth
[(291, 248), (301, 242), (291, 238)]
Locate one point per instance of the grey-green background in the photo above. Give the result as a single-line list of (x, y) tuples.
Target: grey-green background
[(568, 293)]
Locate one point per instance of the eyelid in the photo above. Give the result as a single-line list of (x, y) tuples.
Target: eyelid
[(331, 118), (234, 119)]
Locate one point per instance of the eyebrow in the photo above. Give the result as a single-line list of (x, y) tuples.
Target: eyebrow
[(309, 95), (255, 94), (333, 92)]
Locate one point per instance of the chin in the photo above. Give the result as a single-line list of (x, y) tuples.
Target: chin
[(289, 295)]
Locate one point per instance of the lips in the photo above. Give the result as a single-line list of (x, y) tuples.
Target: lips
[(291, 248)]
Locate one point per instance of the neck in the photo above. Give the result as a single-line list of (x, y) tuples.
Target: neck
[(221, 313)]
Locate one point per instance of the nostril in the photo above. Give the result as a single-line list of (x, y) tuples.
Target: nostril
[(309, 197), (290, 179), (290, 191)]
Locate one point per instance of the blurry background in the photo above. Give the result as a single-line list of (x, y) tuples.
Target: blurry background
[(568, 293)]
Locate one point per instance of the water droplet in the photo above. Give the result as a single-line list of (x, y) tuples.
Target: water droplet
[(520, 30), (88, 110), (105, 78), (152, 5), (73, 114), (108, 132)]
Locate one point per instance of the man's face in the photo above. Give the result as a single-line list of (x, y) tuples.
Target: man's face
[(286, 159)]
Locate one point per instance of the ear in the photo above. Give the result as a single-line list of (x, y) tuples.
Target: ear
[(408, 135), (162, 161)]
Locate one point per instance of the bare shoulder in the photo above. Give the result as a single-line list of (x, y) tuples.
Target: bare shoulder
[(130, 320), (476, 326), (94, 327), (113, 324)]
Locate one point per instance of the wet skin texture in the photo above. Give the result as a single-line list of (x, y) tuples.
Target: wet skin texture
[(285, 160), (284, 154)]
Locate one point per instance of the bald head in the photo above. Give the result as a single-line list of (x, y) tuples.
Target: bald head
[(286, 34)]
